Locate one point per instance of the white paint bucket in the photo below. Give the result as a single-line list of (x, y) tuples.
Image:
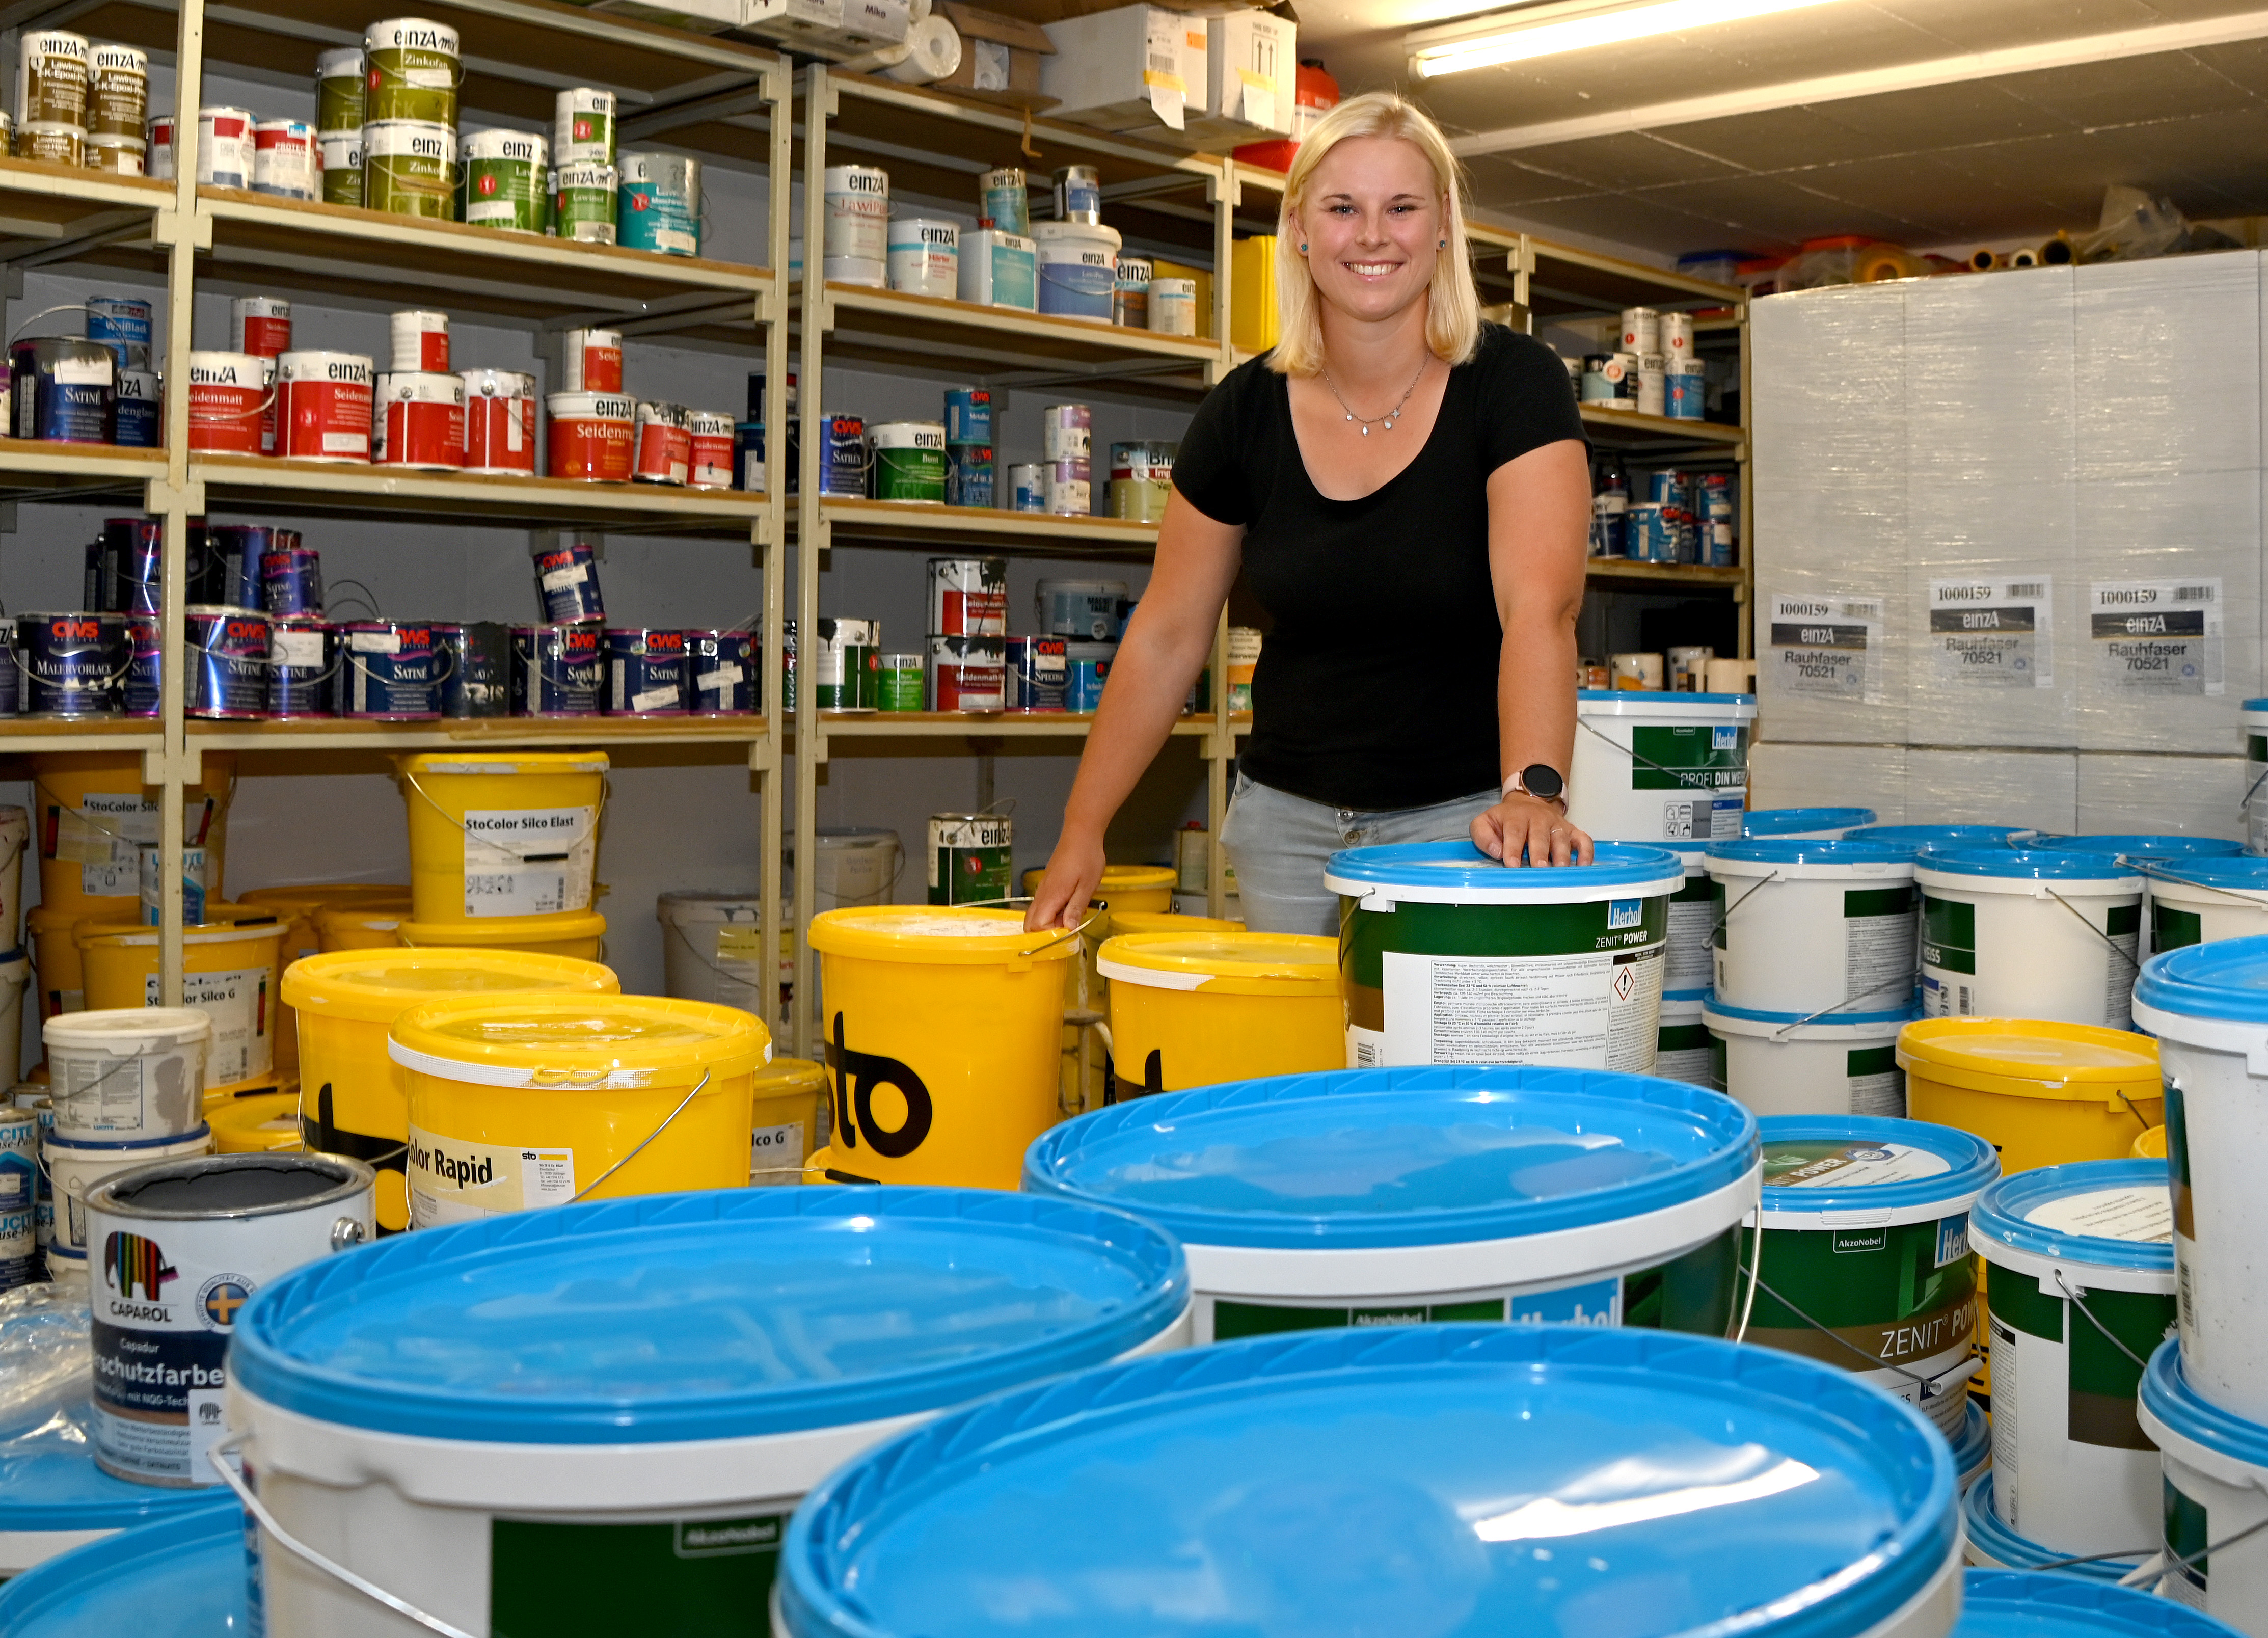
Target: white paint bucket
[(1842, 1063), (712, 949), (1865, 1259), (128, 1072), (2203, 901), (2147, 854), (2255, 718), (1077, 264), (403, 1415), (1921, 836), (2081, 1286), (1448, 957), (2023, 932), (855, 250), (2208, 1006), (2216, 1486), (1486, 1480), (2001, 1604), (180, 1550), (1383, 1197), (74, 1165), (1689, 960), (1992, 1546), (924, 256), (1806, 824), (1804, 927), (998, 269), (1661, 767), (1681, 1045)]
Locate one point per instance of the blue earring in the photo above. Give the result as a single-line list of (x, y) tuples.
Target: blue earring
[(1303, 250)]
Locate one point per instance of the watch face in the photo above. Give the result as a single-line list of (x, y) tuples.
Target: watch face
[(1540, 779)]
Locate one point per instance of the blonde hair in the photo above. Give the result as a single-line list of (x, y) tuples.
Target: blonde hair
[(1453, 317)]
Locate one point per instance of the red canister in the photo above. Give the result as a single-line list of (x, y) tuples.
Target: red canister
[(423, 421), (323, 406), (710, 435), (261, 325), (228, 392), (665, 448), (592, 361), (590, 436), (420, 342), (499, 422)]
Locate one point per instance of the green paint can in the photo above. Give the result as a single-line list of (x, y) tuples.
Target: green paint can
[(583, 127), (906, 460), (507, 181), (582, 203), (969, 858), (411, 72), (339, 157), (848, 662), (340, 104), (409, 169), (898, 680)]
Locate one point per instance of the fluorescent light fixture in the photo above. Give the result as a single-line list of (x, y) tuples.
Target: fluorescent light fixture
[(1547, 30)]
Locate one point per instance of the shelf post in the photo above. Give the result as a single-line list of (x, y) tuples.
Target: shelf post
[(1220, 751), (1746, 618), (818, 108), (771, 786), (1226, 194)]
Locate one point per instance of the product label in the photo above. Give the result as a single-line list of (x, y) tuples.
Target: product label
[(2156, 637), (242, 1011), (1698, 758), (454, 1181), (105, 838), (529, 861), (1682, 1054), (2188, 1534), (1992, 633), (1878, 942), (776, 1155), (1835, 1164), (1592, 1303), (1948, 956), (593, 1580), (2144, 1215), (1686, 964), (1878, 1086), (1826, 647)]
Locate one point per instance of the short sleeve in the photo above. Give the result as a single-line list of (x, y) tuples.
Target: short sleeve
[(1210, 467), (1524, 397)]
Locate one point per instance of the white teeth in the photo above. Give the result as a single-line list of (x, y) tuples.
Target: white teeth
[(1372, 268)]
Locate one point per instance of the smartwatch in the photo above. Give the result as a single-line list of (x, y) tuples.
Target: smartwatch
[(1538, 779)]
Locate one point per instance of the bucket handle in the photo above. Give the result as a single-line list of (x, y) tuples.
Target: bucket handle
[(2079, 1303), (232, 1445), (2153, 872), (1755, 1260), (1717, 925), (333, 605), (1829, 1012), (598, 813), (1101, 907), (649, 1137), (1929, 1388), (2245, 801), (2108, 941), (17, 333)]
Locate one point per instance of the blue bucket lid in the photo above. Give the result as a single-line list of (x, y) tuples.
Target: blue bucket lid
[(2144, 846), (1434, 1479), (1921, 1162), (2226, 979), (720, 1315), (2004, 1545), (1781, 821), (182, 1577), (2007, 1212), (1905, 1012), (1973, 1452), (2166, 1395), (2255, 704), (1939, 835), (1397, 1157), (1597, 695), (1776, 850), (2240, 871), (2017, 1603), (2024, 864), (1453, 864), (49, 1483)]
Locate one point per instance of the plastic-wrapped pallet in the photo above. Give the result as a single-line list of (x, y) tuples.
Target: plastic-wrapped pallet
[(2163, 795), (1784, 775)]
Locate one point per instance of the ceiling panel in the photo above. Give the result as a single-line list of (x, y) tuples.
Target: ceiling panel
[(1777, 208), (2166, 86), (1615, 163), (1924, 192), (1777, 139)]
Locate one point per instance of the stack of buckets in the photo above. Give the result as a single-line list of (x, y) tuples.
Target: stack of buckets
[(504, 850)]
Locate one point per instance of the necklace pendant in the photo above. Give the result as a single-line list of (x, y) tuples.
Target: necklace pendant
[(1366, 432)]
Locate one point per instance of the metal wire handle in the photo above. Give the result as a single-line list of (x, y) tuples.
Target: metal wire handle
[(1829, 1012), (1756, 1260), (368, 600), (649, 1137), (1099, 908), (1926, 1384), (2158, 873), (2079, 1303), (2245, 802), (1717, 925), (41, 787), (2111, 943)]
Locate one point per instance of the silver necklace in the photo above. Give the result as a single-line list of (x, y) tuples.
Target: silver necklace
[(1391, 415)]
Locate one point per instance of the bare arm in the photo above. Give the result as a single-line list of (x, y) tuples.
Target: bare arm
[(1167, 644), (1539, 523)]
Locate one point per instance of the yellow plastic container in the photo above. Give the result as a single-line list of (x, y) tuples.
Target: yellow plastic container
[(502, 833), (91, 812), (524, 1100), (356, 1098), (785, 1129), (2150, 1145), (231, 961), (266, 1123), (61, 980), (300, 937), (1192, 1009), (1131, 921), (1144, 888), (579, 937), (372, 925), (2041, 1093), (943, 1030)]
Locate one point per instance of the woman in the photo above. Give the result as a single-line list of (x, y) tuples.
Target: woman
[(1407, 491)]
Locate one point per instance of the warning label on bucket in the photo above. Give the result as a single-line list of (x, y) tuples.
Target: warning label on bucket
[(1590, 1011), (452, 1180), (529, 861)]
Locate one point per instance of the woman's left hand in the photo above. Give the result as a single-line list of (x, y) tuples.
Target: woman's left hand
[(1527, 830)]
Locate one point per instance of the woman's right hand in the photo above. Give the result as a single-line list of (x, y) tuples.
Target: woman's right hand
[(1074, 871)]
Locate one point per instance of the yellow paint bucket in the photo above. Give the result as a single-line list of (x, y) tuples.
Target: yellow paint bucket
[(581, 938), (785, 1133), (92, 813), (356, 1100), (2041, 1093), (1138, 888), (267, 1123), (1193, 1009), (1130, 921), (230, 965), (2150, 1145), (523, 1101), (62, 984), (502, 833), (298, 905), (373, 925), (943, 1035)]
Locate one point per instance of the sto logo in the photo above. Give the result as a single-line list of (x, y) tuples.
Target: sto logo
[(856, 1076)]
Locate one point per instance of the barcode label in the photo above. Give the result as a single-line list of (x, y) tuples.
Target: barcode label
[(2028, 588), (2193, 594)]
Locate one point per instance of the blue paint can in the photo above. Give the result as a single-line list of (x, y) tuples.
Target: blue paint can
[(232, 559), (843, 456), (141, 409), (146, 667), (73, 662), (475, 659), (64, 390), (1088, 668), (1038, 674), (303, 668), (291, 580), (969, 475), (1609, 524), (968, 416), (123, 566), (556, 670), (1651, 538), (646, 672), (1667, 489), (1028, 487), (567, 582), (227, 676), (720, 673), (121, 323), (749, 456), (390, 671), (657, 204), (1687, 396)]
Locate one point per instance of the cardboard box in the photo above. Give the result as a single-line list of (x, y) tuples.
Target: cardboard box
[(1251, 71), (1137, 70), (695, 17), (785, 19), (1001, 58)]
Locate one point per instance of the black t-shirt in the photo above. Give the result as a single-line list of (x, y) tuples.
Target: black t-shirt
[(1376, 688)]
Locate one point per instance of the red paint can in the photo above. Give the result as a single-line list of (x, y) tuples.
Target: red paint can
[(260, 325), (423, 422), (323, 406), (665, 448), (421, 343), (591, 436), (592, 361), (711, 435), (228, 393), (499, 421)]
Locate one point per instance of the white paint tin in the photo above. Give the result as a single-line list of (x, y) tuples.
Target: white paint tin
[(924, 256), (420, 342), (1174, 306), (2028, 933), (1784, 1063), (1803, 926), (225, 147), (128, 1072), (283, 159), (709, 432), (591, 361), (855, 249)]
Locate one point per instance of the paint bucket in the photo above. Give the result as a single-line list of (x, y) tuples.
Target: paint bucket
[(2041, 1093), (412, 71), (2024, 933), (389, 671), (75, 1165), (507, 181), (969, 673), (1130, 301), (855, 250), (138, 396), (1921, 836), (183, 1247), (575, 937), (1067, 432), (583, 127), (409, 169), (1661, 767), (665, 447), (20, 1260), (907, 462), (1253, 1449), (1810, 927), (340, 100), (230, 965), (1141, 480), (844, 665), (499, 422), (52, 144), (591, 361), (722, 681), (593, 436), (999, 269), (120, 323), (2081, 1263), (842, 456), (924, 256), (567, 581), (135, 1072), (14, 836), (2000, 1603), (1004, 199), (146, 680), (194, 870), (417, 342), (646, 672), (1172, 306), (969, 856), (969, 415), (117, 92), (712, 948), (354, 1100), (969, 596), (1683, 1044), (658, 206), (790, 1092), (260, 325), (285, 160), (92, 817), (51, 78), (708, 437), (2203, 901), (556, 670), (361, 924), (1431, 1226), (65, 390), (1791, 1064), (583, 203), (70, 665), (1689, 953), (230, 393), (257, 1123), (2149, 1145), (423, 421), (1437, 938), (1077, 266), (1194, 1008), (982, 1293), (230, 571), (1085, 610), (475, 659), (969, 475), (139, 1550), (62, 988), (1035, 673), (1805, 824), (2215, 1491), (1865, 1227), (503, 834), (339, 159), (227, 676)]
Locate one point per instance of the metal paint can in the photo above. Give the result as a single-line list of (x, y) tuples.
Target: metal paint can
[(418, 342), (1641, 331), (658, 206), (842, 456), (968, 674), (225, 147), (1085, 611), (120, 323), (291, 580), (123, 565), (323, 406), (970, 857), (1069, 486), (507, 181), (899, 682), (1027, 487), (583, 127), (226, 676), (409, 169), (1666, 489), (1078, 194), (51, 75), (52, 144), (968, 416), (20, 1191), (1141, 480), (1653, 385), (144, 694), (424, 421), (567, 581), (556, 670), (710, 435), (174, 1250), (646, 672), (1004, 201), (499, 421), (303, 668), (855, 248), (907, 459), (664, 446), (390, 671), (1130, 295), (118, 92), (582, 203), (1036, 674), (260, 325), (969, 475), (924, 256), (1647, 535), (591, 436), (411, 71), (1172, 306), (475, 669), (720, 673), (1066, 432), (591, 361), (968, 597), (845, 653), (140, 409), (227, 573), (1077, 269), (340, 102), (748, 458), (1088, 668), (1676, 336), (338, 159), (229, 394), (64, 390), (1686, 393), (11, 692), (284, 161), (72, 662), (122, 156)]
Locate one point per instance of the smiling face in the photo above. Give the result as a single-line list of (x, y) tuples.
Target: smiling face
[(1372, 220)]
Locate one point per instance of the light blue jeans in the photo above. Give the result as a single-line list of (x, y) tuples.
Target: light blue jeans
[(1278, 844)]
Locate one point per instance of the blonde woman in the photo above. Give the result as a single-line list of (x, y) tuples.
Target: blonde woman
[(1407, 492)]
